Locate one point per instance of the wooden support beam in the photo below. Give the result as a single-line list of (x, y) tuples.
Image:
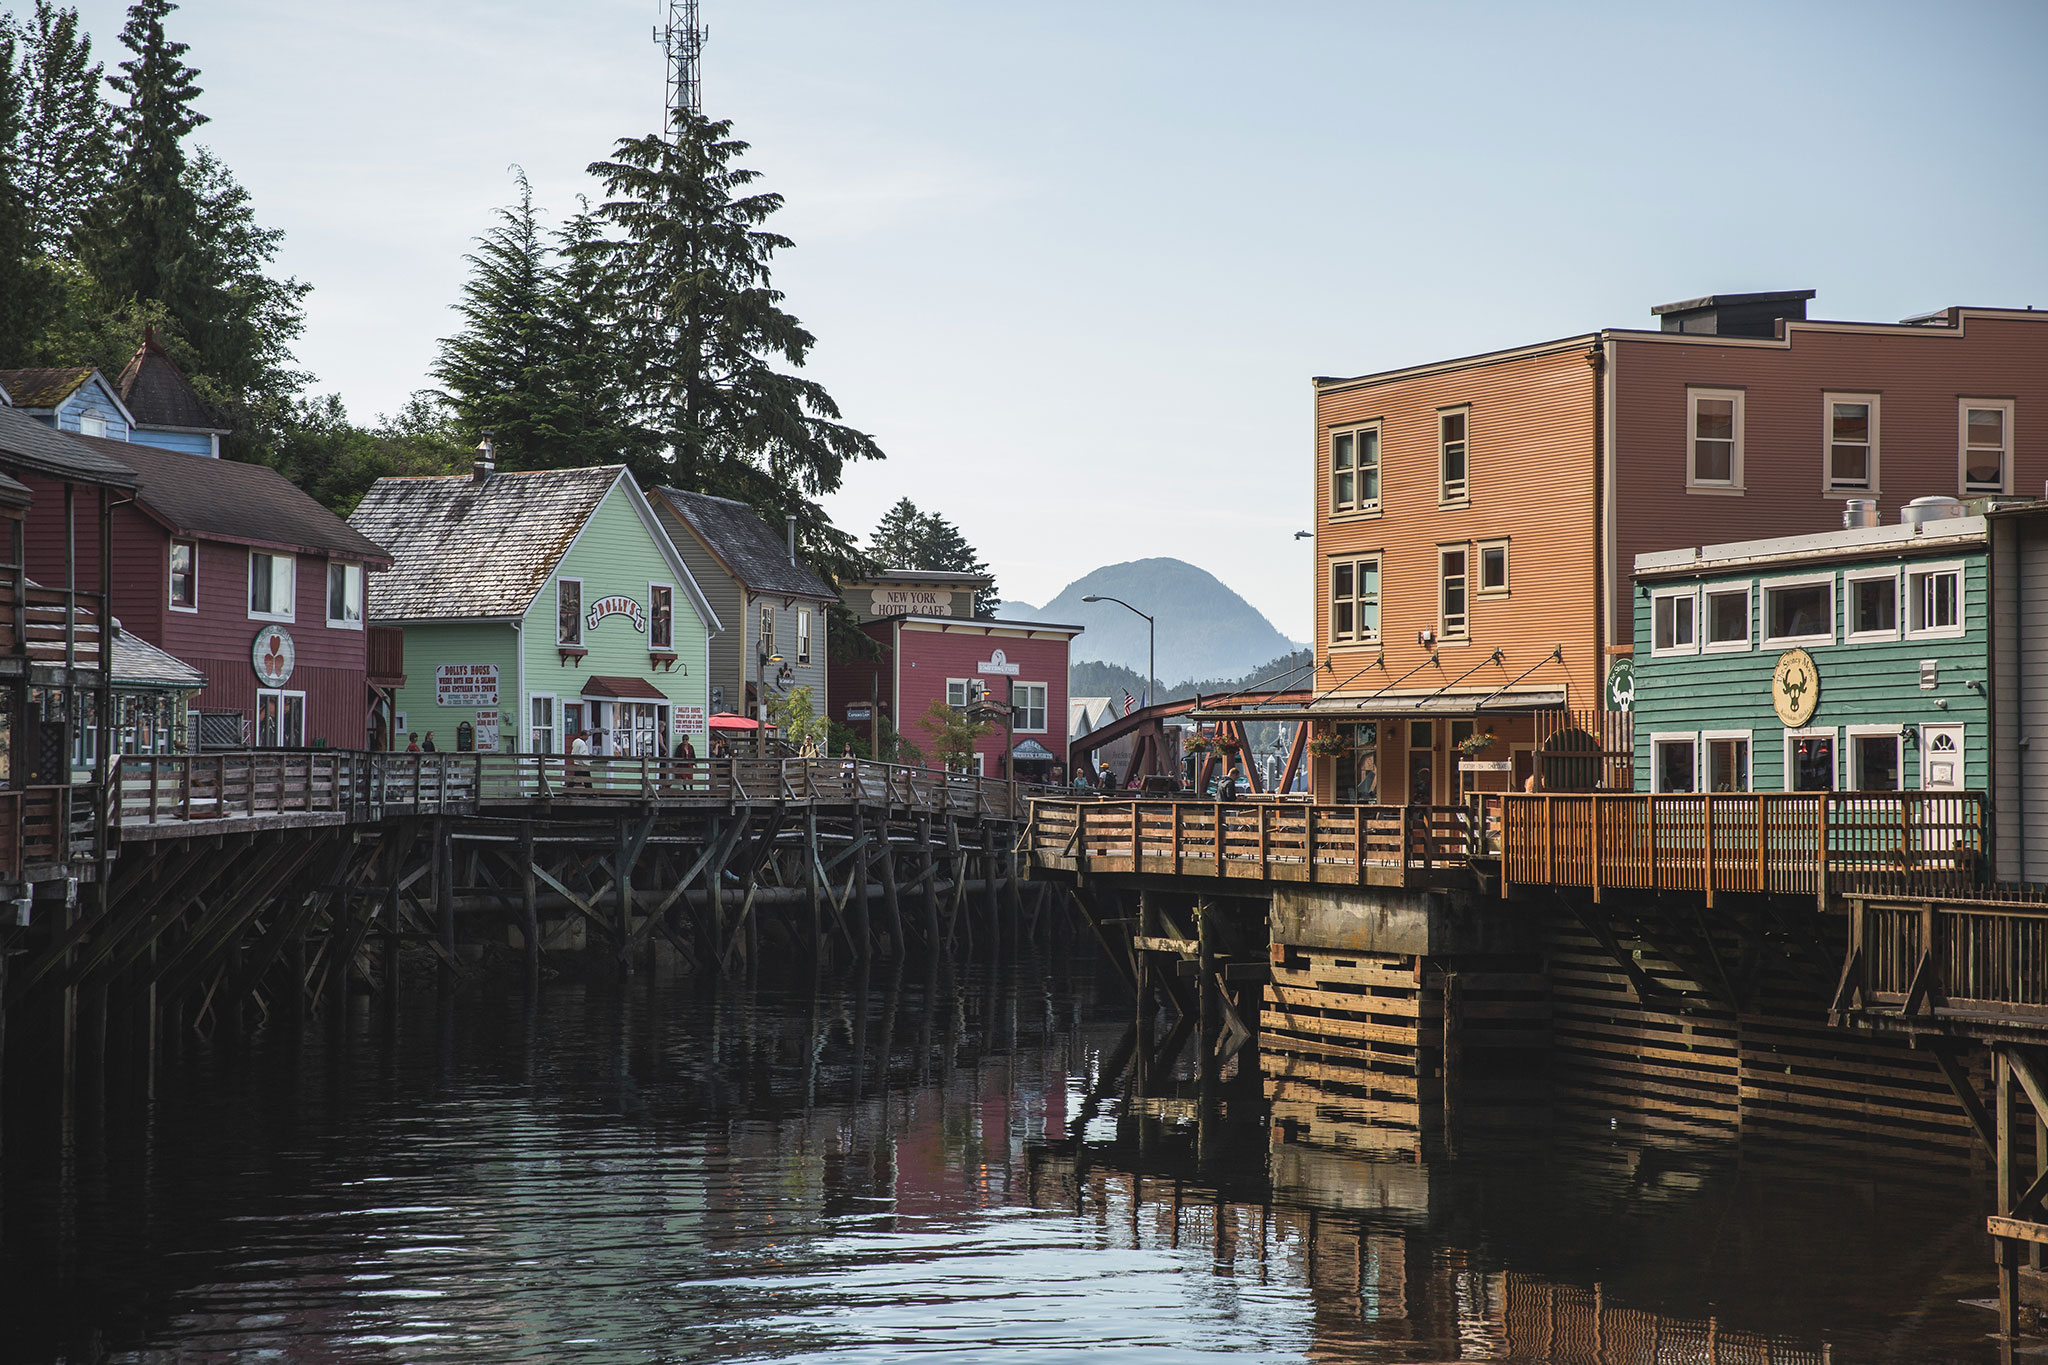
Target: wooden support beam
[(1966, 1095)]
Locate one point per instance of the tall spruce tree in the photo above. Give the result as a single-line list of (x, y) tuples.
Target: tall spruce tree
[(62, 150), (143, 240), (907, 538), (698, 329), (22, 278)]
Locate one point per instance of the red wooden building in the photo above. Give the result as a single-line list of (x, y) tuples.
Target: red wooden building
[(231, 568), (960, 660)]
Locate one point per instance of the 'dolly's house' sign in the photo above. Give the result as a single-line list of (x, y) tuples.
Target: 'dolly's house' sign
[(627, 607), (466, 685)]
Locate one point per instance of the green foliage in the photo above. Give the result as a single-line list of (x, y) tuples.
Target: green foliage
[(953, 734), (907, 538), (319, 449), (21, 281), (795, 714)]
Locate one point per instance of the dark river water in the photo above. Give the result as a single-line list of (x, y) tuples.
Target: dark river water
[(912, 1168)]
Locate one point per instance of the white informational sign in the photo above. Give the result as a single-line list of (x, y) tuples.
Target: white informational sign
[(688, 720), (912, 602), (997, 663), (487, 732), (861, 712), (1485, 765), (466, 686)]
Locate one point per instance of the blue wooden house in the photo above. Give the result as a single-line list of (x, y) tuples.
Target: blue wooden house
[(1909, 657), (152, 403), (74, 398)]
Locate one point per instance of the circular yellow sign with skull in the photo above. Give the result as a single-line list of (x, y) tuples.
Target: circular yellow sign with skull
[(1795, 687)]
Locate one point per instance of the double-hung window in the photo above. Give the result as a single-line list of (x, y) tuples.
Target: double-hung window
[(1713, 425), (1985, 428), (1355, 470), (1799, 611), (1674, 622), (1873, 603), (1851, 441), (661, 616), (764, 645), (345, 595), (1934, 601), (803, 635), (1454, 454), (1355, 600), (1727, 612), (184, 575), (1454, 617), (272, 585), (569, 612), (964, 692), (540, 724), (1027, 700)]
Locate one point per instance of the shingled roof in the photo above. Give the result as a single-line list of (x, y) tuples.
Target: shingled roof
[(43, 388), (748, 548), (464, 550), (26, 443), (246, 504), (138, 661), (157, 394)]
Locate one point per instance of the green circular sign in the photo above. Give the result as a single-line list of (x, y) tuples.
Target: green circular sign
[(1621, 685)]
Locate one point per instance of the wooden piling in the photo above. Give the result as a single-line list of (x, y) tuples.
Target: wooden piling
[(891, 902), (529, 907)]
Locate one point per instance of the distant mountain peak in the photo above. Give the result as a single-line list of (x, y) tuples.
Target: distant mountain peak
[(1205, 630)]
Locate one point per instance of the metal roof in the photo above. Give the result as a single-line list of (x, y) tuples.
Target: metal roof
[(748, 548)]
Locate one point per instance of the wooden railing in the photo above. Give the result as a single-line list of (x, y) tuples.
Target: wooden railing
[(43, 613), (505, 778), (1260, 840), (1818, 844), (254, 784), (1984, 957)]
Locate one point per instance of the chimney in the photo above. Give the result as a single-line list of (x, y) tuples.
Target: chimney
[(1734, 315), (486, 463), (792, 538)]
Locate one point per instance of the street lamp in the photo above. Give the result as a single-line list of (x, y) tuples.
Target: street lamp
[(1151, 637)]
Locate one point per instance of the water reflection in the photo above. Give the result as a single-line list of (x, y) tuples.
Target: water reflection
[(906, 1167)]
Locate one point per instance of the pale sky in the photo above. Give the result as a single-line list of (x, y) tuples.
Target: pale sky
[(1074, 264)]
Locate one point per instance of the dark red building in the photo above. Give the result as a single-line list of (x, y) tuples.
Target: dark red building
[(960, 660), (234, 570)]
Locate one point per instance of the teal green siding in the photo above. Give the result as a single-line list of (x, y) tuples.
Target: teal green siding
[(430, 646), (616, 557), (1861, 683)]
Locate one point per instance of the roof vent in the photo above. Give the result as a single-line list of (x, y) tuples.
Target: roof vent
[(1920, 511), (486, 462), (1857, 512), (1734, 315), (792, 538)]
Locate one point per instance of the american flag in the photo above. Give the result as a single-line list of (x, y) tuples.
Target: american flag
[(1130, 702)]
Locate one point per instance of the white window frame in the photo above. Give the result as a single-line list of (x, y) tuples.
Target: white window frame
[(1850, 578), (1848, 760), (1507, 567), (1704, 615), (1691, 594), (256, 717), (1769, 585), (1360, 505), (1703, 768), (1448, 631), (170, 575), (1911, 599), (1826, 732), (969, 690), (1963, 484), (1453, 492), (1732, 485), (561, 643), (1359, 634), (1828, 486), (1658, 740), (553, 729), (291, 596), (803, 635), (353, 585), (1044, 707), (668, 646), (764, 629)]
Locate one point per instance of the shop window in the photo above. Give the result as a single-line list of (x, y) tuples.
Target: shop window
[(1810, 760), (1874, 760), (569, 612), (661, 616), (272, 586), (280, 719), (540, 724), (1727, 762), (1674, 759), (184, 576)]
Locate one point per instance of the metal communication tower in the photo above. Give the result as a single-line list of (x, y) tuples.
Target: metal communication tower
[(683, 40)]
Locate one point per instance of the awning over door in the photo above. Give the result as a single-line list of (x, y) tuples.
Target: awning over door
[(607, 687)]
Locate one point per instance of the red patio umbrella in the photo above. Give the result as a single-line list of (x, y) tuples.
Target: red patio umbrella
[(726, 720)]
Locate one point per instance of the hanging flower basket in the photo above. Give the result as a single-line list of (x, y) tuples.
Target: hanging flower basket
[(1227, 744), (1327, 746), (1474, 745), (1196, 743)]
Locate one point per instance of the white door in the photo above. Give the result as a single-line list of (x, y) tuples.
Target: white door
[(1941, 758)]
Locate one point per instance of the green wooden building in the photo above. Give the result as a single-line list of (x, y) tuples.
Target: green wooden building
[(1852, 660), (538, 607)]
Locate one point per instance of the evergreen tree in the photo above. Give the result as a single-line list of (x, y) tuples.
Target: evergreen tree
[(63, 151), (22, 287), (907, 538), (240, 335), (500, 372), (587, 422), (698, 328), (143, 239)]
